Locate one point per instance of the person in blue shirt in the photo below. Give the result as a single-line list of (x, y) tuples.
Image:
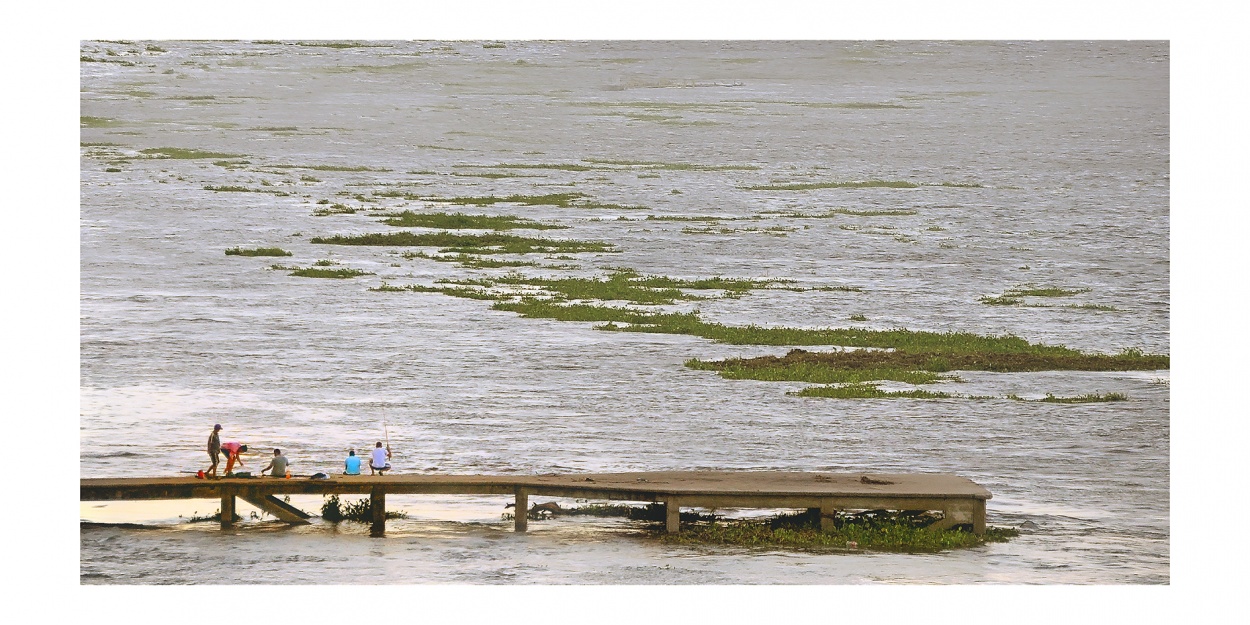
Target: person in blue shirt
[(352, 465)]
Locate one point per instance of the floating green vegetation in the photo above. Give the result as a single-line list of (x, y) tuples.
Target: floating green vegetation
[(921, 360), (331, 167), (561, 200), (360, 511), (260, 251), (112, 170), (700, 218), (490, 243), (455, 221), (1011, 297), (777, 231), (185, 153), (334, 209), (322, 272), (87, 121), (1044, 292), (869, 213), (556, 166), (860, 105), (337, 45), (492, 175), (1091, 307), (875, 530), (858, 184), (239, 189), (621, 285), (858, 318), (671, 166), (469, 261), (866, 391), (1079, 399)]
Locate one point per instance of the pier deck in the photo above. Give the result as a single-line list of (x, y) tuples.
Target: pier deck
[(961, 500)]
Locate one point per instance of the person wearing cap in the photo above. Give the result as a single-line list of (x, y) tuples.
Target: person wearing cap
[(214, 451)]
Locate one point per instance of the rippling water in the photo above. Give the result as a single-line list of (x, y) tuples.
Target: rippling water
[(1069, 141)]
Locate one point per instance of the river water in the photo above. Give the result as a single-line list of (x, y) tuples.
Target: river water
[(1068, 142)]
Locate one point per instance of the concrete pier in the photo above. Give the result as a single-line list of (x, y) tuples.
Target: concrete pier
[(961, 501)]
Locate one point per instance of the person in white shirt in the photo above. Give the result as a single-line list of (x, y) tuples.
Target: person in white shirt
[(380, 461)]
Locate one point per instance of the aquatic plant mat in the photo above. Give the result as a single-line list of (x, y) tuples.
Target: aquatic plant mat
[(360, 511), (905, 531)]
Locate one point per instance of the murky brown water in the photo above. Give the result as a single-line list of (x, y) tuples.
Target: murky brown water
[(1070, 141)]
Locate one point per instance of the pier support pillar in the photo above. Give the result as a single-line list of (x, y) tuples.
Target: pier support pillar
[(978, 518), (827, 511), (227, 508), (520, 520), (672, 515), (377, 506)]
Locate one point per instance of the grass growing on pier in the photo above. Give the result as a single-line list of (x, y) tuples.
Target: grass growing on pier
[(455, 221), (360, 511), (491, 243), (260, 251)]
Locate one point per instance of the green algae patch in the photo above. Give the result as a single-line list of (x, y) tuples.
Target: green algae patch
[(856, 184), (259, 251), (186, 153), (489, 243), (458, 221)]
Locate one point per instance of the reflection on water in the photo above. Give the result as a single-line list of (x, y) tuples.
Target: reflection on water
[(1067, 140)]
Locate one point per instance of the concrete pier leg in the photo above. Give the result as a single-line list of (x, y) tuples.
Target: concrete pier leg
[(227, 508), (672, 515), (377, 505), (520, 520), (978, 518), (826, 516)]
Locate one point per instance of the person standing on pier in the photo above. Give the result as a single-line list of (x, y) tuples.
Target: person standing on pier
[(214, 451), (278, 464), (380, 461), (232, 450), (351, 466)]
